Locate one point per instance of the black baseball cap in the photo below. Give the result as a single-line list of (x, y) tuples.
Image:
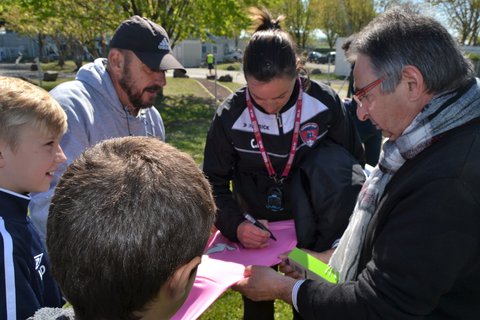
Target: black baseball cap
[(148, 40)]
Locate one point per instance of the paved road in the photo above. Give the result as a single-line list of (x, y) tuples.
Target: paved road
[(217, 91), (23, 70), (221, 93), (237, 76)]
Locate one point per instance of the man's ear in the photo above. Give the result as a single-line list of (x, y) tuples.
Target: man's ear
[(415, 83), (115, 60), (181, 280)]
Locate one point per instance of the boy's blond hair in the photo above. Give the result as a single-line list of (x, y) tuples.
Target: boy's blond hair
[(22, 102)]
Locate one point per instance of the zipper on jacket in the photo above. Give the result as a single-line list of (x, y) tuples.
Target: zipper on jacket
[(279, 120)]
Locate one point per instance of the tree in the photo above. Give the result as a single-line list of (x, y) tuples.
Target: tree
[(184, 19), (344, 17), (71, 25), (332, 20), (358, 13), (301, 18), (75, 25), (16, 18), (463, 16)]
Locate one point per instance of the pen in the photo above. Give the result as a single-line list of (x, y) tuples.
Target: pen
[(259, 225)]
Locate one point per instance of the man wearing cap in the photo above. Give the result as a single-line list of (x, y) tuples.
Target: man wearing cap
[(112, 97)]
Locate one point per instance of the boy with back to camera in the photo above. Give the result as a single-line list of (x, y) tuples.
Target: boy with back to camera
[(31, 126), (126, 229)]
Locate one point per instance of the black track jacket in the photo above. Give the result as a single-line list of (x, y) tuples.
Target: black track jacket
[(232, 154)]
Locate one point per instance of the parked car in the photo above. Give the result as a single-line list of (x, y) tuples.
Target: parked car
[(316, 57), (331, 56), (233, 56)]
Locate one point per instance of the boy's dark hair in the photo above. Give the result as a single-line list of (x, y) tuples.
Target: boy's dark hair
[(125, 215)]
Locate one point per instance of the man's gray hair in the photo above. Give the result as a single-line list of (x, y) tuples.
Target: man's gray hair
[(400, 37)]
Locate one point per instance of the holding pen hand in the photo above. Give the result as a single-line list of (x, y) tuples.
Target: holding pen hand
[(251, 236)]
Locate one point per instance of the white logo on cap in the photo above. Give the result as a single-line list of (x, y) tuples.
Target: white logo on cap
[(164, 45)]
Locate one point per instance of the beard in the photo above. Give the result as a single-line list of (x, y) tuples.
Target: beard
[(134, 95)]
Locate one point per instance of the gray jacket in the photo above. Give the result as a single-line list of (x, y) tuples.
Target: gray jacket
[(94, 114)]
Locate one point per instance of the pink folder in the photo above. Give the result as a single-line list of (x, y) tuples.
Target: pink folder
[(223, 264)]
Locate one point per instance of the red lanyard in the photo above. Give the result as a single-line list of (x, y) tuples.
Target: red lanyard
[(258, 136)]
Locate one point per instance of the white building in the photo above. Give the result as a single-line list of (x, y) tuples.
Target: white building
[(342, 66), (193, 52), (12, 45), (189, 53)]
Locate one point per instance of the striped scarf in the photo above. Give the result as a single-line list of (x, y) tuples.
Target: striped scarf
[(444, 112)]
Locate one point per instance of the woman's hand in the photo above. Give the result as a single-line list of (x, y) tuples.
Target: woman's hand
[(251, 236)]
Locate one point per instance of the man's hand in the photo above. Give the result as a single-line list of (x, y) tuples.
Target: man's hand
[(264, 283), (252, 237), (286, 268)]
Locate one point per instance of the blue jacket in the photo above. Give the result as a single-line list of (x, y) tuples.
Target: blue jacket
[(25, 279)]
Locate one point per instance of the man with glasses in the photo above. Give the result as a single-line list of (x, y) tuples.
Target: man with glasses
[(370, 136), (412, 247), (363, 93)]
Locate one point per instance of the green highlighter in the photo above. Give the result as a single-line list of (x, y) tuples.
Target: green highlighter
[(310, 267)]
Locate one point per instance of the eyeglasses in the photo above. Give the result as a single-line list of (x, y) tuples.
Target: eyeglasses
[(360, 94)]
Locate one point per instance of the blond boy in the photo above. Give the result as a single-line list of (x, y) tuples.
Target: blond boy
[(31, 126)]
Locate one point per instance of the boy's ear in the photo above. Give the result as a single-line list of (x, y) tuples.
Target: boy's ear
[(173, 293), (182, 279)]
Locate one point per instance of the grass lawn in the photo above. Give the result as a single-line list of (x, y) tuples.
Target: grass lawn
[(230, 66), (232, 86), (49, 85), (69, 66), (187, 110)]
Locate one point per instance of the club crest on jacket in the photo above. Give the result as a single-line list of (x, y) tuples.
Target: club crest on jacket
[(309, 133)]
